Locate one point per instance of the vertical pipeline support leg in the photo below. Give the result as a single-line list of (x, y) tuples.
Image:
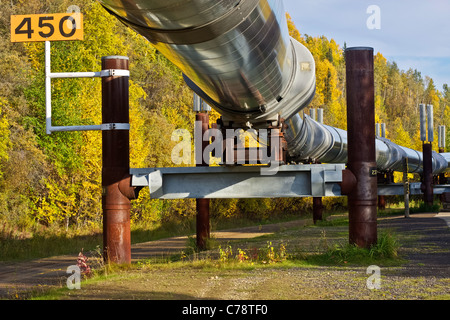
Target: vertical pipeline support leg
[(406, 187), (381, 203), (317, 209), (117, 191), (442, 179), (362, 200), (202, 219), (427, 185)]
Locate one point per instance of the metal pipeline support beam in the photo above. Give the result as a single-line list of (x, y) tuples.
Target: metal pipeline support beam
[(116, 179), (317, 209), (203, 226), (427, 176), (362, 201)]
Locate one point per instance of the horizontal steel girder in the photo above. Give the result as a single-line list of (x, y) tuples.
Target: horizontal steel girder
[(414, 189), (289, 181), (241, 182)]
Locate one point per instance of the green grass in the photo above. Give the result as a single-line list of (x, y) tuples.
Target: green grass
[(283, 249), (384, 252), (424, 208), (47, 242), (46, 245), (335, 222), (52, 242)]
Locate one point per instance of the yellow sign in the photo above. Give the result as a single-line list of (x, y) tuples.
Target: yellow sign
[(47, 27)]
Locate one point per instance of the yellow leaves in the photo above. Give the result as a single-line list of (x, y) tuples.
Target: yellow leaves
[(77, 198), (336, 115), (327, 80), (5, 142), (380, 110), (58, 205), (398, 177), (213, 116), (447, 113), (35, 51), (400, 136), (102, 28), (380, 59), (225, 207), (139, 146)]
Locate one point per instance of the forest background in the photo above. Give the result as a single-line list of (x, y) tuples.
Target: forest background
[(53, 182)]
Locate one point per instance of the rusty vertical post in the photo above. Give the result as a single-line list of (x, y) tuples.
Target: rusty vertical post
[(317, 209), (406, 186), (117, 191), (203, 220), (381, 203), (362, 200), (427, 183), (382, 179)]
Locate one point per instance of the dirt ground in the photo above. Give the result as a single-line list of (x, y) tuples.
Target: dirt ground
[(425, 241)]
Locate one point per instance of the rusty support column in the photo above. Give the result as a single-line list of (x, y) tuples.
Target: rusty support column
[(317, 209), (381, 203), (362, 200), (406, 186), (382, 179), (442, 179), (117, 191), (427, 183), (203, 220)]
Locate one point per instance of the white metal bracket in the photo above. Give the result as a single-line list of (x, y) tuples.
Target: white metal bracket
[(115, 126), (60, 75)]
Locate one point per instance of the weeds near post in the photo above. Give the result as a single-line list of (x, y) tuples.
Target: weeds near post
[(225, 254), (385, 249), (82, 263), (266, 255)]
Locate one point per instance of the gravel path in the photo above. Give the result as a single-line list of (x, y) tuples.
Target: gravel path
[(426, 244)]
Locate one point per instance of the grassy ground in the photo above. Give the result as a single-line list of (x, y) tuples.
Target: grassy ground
[(40, 243), (312, 262)]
